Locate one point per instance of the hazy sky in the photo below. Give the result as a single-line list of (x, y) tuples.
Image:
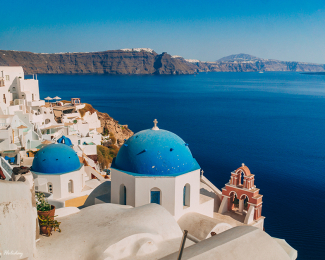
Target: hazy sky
[(291, 30)]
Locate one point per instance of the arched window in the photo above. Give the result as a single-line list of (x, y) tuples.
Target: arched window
[(70, 186), (47, 121), (50, 187), (187, 195), (122, 194), (155, 196)]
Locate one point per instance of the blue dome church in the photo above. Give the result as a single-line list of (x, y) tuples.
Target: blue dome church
[(57, 170), (157, 166)]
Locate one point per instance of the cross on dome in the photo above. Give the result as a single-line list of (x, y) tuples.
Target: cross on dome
[(155, 126)]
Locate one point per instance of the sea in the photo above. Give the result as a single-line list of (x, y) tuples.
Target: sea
[(274, 122)]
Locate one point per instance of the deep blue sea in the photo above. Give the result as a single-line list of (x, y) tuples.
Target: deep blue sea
[(273, 122)]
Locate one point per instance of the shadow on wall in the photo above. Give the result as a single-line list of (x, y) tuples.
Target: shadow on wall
[(211, 194), (101, 194)]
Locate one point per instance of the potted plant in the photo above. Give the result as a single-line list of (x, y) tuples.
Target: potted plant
[(47, 224), (44, 209)]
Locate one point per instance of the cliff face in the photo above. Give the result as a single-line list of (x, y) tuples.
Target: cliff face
[(261, 65), (139, 61), (165, 64), (120, 132), (107, 62), (108, 124)]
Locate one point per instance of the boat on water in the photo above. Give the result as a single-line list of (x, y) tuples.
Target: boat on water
[(260, 72)]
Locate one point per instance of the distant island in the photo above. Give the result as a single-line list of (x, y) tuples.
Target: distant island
[(142, 61)]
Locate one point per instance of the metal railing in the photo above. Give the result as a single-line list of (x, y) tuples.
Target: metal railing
[(6, 168)]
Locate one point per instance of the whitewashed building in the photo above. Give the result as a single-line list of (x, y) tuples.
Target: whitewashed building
[(156, 166)]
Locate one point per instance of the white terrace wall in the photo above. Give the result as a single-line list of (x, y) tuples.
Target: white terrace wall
[(18, 220)]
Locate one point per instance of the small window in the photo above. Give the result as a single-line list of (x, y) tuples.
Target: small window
[(32, 97), (186, 195), (70, 186), (79, 142), (155, 196), (7, 77), (50, 187), (4, 98), (47, 121)]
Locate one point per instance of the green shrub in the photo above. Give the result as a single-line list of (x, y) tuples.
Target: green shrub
[(105, 155), (112, 137)]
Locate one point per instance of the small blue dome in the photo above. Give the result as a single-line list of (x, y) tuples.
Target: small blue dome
[(56, 159), (155, 152), (64, 140)]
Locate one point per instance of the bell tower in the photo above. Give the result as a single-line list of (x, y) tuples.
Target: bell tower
[(241, 196)]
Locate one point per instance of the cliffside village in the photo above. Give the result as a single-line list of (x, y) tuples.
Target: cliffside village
[(28, 124), (155, 190)]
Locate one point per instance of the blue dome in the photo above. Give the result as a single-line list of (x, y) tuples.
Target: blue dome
[(155, 152), (64, 140), (56, 159)]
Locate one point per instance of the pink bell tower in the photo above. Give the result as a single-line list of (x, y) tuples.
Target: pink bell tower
[(241, 192)]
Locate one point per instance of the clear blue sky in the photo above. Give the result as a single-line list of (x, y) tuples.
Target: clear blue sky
[(206, 30)]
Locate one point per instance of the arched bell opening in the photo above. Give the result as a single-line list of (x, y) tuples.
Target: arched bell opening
[(243, 204), (233, 201)]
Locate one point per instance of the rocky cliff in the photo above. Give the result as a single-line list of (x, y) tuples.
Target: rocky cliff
[(245, 63), (109, 126), (114, 129), (265, 65), (142, 61), (131, 61)]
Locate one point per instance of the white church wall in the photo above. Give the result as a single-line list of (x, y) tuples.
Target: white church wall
[(77, 181), (54, 180), (166, 185), (60, 183), (193, 179), (118, 178)]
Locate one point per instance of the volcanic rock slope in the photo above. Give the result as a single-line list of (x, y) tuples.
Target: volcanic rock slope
[(107, 62), (142, 61)]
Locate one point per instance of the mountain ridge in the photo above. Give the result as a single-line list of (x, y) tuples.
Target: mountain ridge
[(127, 61), (143, 61)]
